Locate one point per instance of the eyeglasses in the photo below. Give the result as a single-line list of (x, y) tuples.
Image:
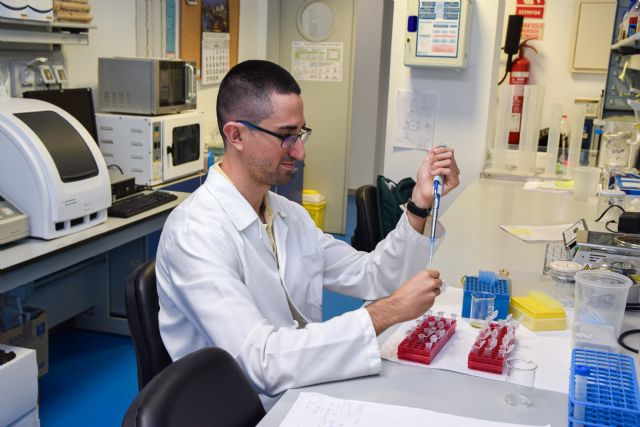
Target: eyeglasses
[(288, 141)]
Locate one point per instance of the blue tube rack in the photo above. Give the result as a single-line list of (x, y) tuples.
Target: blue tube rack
[(487, 281), (603, 389)]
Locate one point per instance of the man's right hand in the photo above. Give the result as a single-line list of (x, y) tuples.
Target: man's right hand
[(409, 301)]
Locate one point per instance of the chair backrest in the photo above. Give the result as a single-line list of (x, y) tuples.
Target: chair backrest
[(204, 388), (367, 233), (142, 307)]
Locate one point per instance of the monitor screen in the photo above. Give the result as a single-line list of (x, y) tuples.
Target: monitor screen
[(77, 102)]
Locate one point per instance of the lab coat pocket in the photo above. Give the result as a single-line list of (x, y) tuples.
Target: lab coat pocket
[(313, 267)]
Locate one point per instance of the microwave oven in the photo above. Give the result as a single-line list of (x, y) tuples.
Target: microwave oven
[(147, 86), (152, 149)]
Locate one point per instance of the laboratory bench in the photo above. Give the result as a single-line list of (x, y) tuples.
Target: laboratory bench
[(82, 275), (473, 242)]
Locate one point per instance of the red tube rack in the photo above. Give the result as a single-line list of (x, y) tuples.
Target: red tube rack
[(493, 362), (411, 348)]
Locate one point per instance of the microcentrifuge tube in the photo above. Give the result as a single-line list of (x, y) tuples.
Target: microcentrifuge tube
[(441, 333), (421, 337), (501, 323), (427, 346), (431, 324), (509, 317), (453, 316), (487, 352), (494, 333), (433, 338), (440, 324), (493, 343), (440, 314), (485, 332)]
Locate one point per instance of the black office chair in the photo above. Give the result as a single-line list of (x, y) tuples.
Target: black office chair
[(141, 302), (367, 233), (204, 388)]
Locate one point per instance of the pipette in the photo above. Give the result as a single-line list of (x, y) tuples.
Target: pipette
[(435, 209)]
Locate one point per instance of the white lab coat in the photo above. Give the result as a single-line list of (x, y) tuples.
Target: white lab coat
[(219, 285)]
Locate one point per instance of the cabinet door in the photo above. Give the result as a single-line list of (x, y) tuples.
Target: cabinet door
[(592, 43)]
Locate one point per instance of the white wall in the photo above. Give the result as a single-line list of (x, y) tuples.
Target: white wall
[(115, 35), (364, 109), (464, 98), (551, 66), (465, 118)]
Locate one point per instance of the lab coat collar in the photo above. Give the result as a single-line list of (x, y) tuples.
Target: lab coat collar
[(233, 203)]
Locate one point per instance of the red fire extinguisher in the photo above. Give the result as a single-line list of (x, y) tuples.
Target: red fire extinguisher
[(519, 77)]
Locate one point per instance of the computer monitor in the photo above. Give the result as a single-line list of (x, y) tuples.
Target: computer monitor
[(77, 102)]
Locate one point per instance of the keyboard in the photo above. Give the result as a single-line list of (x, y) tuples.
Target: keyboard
[(137, 203)]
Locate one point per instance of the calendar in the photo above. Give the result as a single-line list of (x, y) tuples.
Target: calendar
[(215, 57)]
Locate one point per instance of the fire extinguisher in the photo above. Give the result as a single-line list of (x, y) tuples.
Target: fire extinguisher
[(519, 77)]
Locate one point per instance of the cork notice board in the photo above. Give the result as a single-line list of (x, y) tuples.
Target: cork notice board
[(190, 30)]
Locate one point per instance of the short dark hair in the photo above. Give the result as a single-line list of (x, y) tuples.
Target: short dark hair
[(245, 92)]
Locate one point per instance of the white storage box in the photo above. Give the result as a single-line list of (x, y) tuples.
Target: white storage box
[(19, 379)]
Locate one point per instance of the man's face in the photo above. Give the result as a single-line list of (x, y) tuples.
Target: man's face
[(268, 164)]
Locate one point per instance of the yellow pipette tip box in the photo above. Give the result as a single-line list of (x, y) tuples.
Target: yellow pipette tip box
[(538, 312)]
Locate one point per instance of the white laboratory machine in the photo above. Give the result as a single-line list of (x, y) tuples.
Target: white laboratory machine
[(51, 169), (437, 33), (153, 149)]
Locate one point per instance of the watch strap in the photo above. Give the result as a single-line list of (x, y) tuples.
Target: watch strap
[(416, 210)]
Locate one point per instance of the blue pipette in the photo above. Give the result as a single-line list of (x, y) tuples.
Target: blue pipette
[(435, 209)]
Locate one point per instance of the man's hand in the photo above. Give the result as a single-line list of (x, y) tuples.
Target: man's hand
[(409, 301), (438, 161)]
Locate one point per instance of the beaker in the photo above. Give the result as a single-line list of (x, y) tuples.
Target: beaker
[(481, 307), (601, 297), (521, 375), (586, 183)]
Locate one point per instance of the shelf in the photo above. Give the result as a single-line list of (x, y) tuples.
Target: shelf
[(38, 32)]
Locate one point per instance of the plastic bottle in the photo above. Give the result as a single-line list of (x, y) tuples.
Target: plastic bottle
[(634, 13), (624, 25), (564, 139)]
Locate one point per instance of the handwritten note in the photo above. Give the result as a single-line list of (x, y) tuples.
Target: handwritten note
[(320, 410)]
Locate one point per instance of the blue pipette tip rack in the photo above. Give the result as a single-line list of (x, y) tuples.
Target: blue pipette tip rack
[(603, 389), (487, 281)]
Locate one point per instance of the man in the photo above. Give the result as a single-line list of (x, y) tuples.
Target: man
[(241, 268)]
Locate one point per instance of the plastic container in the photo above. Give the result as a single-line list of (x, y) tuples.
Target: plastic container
[(563, 274), (603, 389), (586, 183), (419, 347), (487, 283), (315, 203), (538, 312), (600, 301)]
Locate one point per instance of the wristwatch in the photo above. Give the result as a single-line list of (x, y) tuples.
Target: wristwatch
[(416, 210)]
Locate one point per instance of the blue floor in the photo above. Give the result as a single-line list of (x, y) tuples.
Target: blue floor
[(92, 376)]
